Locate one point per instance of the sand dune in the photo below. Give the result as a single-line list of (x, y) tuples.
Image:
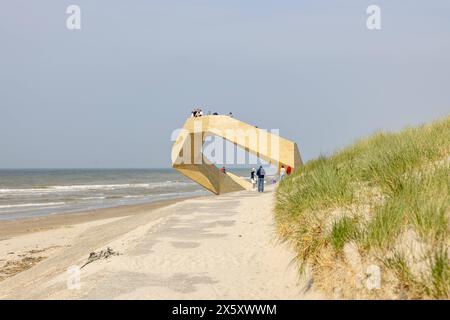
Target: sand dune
[(221, 247)]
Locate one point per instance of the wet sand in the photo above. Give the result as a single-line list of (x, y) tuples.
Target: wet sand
[(9, 228)]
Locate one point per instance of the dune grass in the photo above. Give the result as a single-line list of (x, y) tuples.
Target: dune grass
[(371, 194)]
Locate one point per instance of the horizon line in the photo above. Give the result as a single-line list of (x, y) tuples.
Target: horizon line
[(100, 168)]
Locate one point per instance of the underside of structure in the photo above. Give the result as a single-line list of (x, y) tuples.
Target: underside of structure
[(188, 157)]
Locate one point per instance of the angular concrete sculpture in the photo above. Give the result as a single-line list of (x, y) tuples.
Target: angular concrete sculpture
[(188, 157)]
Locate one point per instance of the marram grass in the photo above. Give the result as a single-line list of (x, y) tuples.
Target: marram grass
[(411, 172)]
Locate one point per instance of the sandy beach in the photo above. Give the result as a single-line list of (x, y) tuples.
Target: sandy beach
[(212, 247)]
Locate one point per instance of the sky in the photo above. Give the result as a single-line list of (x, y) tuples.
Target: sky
[(110, 94)]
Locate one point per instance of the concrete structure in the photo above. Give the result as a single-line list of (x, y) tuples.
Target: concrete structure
[(188, 158)]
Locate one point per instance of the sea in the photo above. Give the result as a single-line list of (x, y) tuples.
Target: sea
[(38, 192)]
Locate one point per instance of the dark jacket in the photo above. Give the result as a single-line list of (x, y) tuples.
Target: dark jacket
[(260, 173)]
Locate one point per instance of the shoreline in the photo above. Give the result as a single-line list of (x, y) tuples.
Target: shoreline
[(21, 226)]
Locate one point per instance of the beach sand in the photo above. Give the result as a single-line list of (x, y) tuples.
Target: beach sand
[(213, 247)]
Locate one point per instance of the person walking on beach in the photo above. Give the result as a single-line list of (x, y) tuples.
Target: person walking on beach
[(222, 169), (282, 173), (260, 173), (253, 177)]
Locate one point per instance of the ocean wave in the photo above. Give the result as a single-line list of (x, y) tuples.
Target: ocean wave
[(92, 198), (25, 205), (186, 193), (87, 187)]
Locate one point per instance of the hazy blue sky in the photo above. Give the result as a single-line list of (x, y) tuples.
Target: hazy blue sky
[(110, 94)]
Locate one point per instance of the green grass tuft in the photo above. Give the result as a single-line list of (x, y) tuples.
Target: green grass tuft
[(343, 231)]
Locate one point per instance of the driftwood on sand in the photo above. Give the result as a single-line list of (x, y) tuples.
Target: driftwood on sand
[(103, 254)]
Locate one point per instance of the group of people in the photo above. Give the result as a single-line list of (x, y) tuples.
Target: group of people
[(257, 176), (284, 172), (198, 112)]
